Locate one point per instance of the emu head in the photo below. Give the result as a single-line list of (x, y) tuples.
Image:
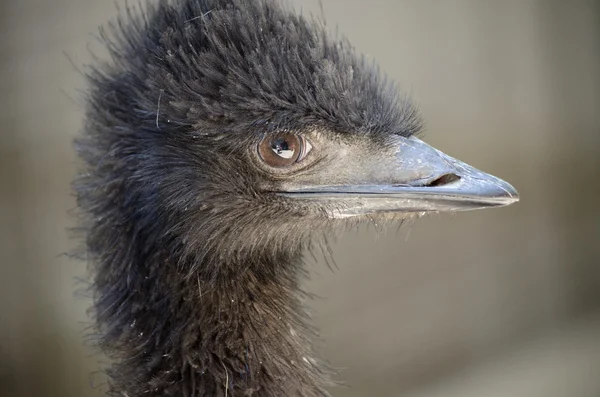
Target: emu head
[(226, 129)]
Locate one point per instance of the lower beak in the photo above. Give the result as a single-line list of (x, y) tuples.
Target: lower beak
[(419, 178)]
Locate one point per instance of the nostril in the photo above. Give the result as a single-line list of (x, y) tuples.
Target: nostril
[(443, 180)]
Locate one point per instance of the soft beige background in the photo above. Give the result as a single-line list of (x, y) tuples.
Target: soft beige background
[(494, 303)]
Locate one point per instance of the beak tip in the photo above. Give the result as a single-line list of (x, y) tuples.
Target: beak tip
[(503, 193)]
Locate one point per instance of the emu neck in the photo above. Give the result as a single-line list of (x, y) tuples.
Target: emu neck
[(242, 335)]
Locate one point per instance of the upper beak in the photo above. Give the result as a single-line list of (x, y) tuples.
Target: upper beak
[(417, 177)]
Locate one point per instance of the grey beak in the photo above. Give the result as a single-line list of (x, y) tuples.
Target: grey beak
[(417, 178)]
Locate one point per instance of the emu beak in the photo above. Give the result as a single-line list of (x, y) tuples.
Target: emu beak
[(413, 177)]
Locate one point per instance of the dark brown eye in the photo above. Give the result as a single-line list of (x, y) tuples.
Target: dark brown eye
[(283, 150)]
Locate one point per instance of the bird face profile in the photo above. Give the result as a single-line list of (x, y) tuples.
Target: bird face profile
[(221, 138)]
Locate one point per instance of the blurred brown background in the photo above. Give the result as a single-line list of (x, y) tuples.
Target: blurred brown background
[(503, 302)]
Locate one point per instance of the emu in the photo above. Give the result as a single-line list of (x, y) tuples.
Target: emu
[(222, 141)]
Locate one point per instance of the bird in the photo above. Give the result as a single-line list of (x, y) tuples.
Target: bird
[(224, 140)]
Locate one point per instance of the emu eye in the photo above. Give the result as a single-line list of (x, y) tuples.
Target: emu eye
[(283, 150)]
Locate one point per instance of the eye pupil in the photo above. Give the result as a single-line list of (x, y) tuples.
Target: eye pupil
[(281, 147)]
